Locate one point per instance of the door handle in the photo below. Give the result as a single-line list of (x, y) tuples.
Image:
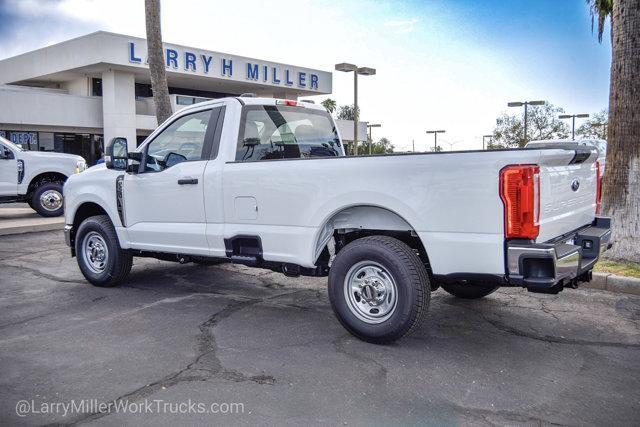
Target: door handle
[(187, 181)]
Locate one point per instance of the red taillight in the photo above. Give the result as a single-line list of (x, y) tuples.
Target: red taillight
[(598, 187), (520, 193)]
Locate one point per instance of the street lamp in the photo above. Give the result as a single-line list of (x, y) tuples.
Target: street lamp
[(526, 104), (604, 128), (435, 138), (369, 127), (451, 144), (483, 137), (365, 71), (573, 121)]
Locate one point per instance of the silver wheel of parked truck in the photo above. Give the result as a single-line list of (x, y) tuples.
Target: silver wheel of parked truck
[(379, 289)]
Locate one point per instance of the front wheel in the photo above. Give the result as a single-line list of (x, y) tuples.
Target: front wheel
[(468, 290), (47, 199), (100, 258), (379, 289)]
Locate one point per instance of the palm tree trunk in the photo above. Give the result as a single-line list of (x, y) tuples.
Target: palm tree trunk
[(621, 188), (157, 69)]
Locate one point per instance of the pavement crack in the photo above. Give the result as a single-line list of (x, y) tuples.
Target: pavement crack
[(499, 417), (20, 322), (339, 344), (205, 366), (546, 338), (48, 276)]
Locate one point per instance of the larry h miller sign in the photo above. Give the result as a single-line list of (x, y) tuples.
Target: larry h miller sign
[(231, 67)]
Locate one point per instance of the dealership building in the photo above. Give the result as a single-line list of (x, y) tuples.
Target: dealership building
[(72, 96)]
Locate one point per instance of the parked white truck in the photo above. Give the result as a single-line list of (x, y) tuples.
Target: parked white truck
[(265, 183), (35, 177)]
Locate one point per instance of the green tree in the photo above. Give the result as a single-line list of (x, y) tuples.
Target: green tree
[(157, 69), (436, 149), (542, 123), (329, 104), (382, 146), (621, 185), (595, 127), (346, 112)]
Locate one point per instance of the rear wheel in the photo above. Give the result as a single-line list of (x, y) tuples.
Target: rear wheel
[(47, 199), (379, 289), (100, 258), (468, 290)]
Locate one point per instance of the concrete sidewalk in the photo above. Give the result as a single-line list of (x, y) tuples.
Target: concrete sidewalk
[(20, 218)]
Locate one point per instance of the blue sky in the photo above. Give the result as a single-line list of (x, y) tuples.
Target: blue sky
[(443, 64)]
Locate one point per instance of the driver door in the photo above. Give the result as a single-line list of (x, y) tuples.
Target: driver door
[(164, 202), (8, 172)]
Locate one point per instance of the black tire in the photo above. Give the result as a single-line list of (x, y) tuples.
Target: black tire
[(413, 291), (46, 209), (469, 290), (118, 261)]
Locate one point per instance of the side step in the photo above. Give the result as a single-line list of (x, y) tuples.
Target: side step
[(245, 250)]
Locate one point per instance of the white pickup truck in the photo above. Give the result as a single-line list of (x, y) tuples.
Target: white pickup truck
[(35, 177), (265, 183)]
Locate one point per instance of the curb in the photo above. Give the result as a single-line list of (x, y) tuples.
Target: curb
[(31, 228), (612, 283)]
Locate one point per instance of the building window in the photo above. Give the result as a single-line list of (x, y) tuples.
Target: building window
[(143, 90), (89, 146), (189, 100), (96, 87)]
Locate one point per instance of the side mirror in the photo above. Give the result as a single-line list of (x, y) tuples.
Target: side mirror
[(116, 154)]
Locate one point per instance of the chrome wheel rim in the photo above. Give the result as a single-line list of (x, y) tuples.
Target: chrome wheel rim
[(95, 252), (370, 292), (51, 200)]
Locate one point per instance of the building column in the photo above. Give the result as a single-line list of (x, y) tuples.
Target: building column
[(119, 106)]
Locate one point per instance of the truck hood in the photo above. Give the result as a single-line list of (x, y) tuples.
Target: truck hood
[(50, 155)]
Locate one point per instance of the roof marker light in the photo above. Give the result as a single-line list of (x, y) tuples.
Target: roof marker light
[(288, 102)]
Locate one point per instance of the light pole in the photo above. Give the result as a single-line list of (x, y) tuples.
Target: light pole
[(604, 128), (526, 104), (365, 71), (435, 138), (483, 137), (369, 127), (573, 121), (451, 144)]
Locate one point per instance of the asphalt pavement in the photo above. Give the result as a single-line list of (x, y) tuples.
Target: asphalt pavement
[(226, 337)]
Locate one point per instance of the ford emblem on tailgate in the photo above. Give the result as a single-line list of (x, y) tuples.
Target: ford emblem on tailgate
[(575, 184)]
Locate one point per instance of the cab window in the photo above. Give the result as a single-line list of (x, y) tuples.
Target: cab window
[(281, 132), (5, 152), (182, 141)]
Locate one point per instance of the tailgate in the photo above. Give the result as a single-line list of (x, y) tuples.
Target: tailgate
[(568, 186)]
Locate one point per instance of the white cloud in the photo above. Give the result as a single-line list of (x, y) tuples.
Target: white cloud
[(402, 26)]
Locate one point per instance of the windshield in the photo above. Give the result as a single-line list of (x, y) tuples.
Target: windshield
[(10, 144), (270, 132)]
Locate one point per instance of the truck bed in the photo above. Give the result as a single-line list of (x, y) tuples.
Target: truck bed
[(451, 200)]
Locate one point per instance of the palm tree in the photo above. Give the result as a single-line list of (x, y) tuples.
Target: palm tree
[(329, 104), (159, 85), (621, 189)]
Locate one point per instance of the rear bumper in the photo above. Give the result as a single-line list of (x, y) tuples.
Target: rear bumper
[(566, 261)]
